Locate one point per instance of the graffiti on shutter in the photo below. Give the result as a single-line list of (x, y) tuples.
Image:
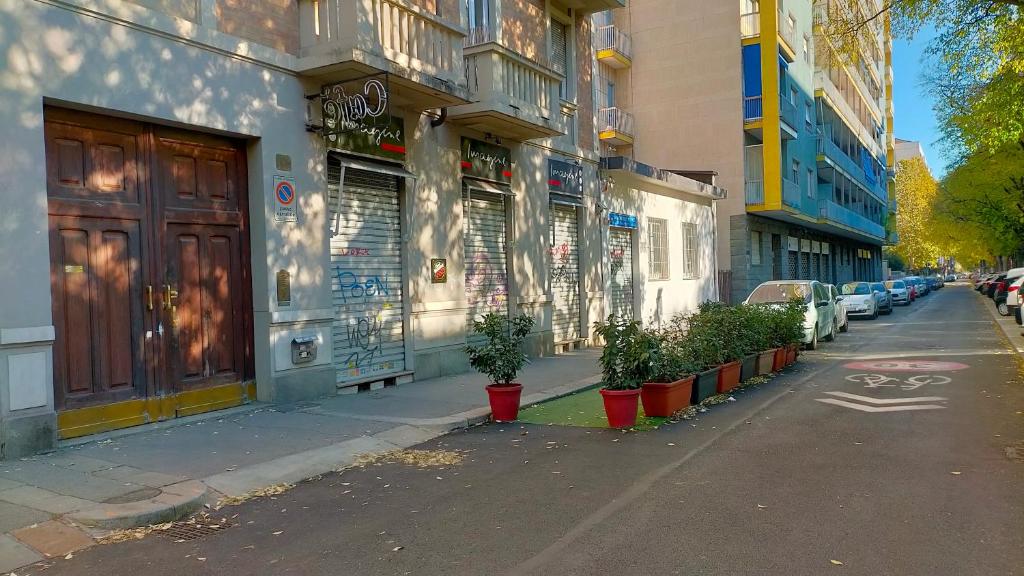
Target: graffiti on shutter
[(366, 274), (486, 271), (620, 246), (565, 273)]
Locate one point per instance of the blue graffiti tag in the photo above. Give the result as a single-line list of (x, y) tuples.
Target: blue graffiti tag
[(355, 288)]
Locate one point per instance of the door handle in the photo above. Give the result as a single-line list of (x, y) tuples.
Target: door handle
[(149, 297), (170, 295)]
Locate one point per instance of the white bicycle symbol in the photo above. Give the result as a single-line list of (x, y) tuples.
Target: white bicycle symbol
[(910, 383)]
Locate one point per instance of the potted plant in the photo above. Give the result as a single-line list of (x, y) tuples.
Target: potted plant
[(626, 362), (704, 352), (501, 357), (729, 324), (755, 337), (672, 382)]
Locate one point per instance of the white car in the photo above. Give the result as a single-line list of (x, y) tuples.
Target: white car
[(899, 291), (859, 300), (1013, 299), (820, 320), (844, 322)]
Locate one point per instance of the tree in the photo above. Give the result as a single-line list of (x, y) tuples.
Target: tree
[(916, 195), (977, 62)]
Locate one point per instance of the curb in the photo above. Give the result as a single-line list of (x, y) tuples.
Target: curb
[(174, 502)]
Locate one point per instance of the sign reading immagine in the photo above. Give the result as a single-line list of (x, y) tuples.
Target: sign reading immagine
[(357, 118), (565, 178), (486, 161)]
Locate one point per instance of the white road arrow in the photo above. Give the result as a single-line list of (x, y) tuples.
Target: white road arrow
[(881, 404)]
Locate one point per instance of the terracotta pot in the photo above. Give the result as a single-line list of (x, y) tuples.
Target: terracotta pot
[(620, 407), (780, 360), (749, 368), (704, 385), (729, 376), (765, 360), (665, 398), (791, 353), (504, 401)]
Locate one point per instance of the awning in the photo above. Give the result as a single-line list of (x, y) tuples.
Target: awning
[(369, 165), (475, 185)]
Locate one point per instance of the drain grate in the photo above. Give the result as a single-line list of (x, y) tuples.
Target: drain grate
[(190, 530)]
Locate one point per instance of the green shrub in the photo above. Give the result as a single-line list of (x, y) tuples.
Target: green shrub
[(631, 354), (502, 356)]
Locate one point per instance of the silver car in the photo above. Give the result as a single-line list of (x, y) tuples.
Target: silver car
[(898, 290), (883, 297)]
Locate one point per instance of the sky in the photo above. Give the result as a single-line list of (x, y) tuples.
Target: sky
[(914, 117)]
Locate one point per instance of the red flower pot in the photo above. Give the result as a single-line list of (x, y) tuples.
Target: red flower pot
[(665, 398), (791, 352), (620, 407), (729, 376), (504, 401), (780, 359)]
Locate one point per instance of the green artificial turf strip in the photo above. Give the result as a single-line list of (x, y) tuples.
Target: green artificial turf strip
[(584, 408)]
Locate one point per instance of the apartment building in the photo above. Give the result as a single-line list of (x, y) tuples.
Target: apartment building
[(759, 94), (226, 200)]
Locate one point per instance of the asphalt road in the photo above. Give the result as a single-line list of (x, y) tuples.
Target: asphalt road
[(777, 482)]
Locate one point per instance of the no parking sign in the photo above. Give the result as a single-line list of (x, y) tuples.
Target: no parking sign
[(284, 199)]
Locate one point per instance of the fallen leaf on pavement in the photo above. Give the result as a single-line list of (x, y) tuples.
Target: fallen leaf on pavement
[(836, 562), (278, 533), (761, 506), (955, 473), (397, 548)]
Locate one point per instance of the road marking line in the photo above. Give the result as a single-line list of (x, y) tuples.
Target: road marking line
[(864, 408), (886, 401)]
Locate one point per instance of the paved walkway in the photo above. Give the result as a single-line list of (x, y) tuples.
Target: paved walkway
[(53, 504)]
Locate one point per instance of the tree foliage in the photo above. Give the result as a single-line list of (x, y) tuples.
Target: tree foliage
[(916, 195)]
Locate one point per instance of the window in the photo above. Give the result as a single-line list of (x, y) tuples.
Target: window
[(478, 12), (755, 247), (809, 116), (691, 251), (807, 49), (560, 55), (812, 183), (794, 96), (795, 176), (657, 239), (610, 103)]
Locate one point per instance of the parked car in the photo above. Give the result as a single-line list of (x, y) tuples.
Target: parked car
[(920, 287), (993, 285), (883, 297), (950, 277), (1013, 300), (936, 282), (820, 319), (899, 291), (1003, 290), (859, 300), (844, 322), (984, 281)]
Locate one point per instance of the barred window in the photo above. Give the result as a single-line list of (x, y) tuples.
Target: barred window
[(657, 239), (691, 251)]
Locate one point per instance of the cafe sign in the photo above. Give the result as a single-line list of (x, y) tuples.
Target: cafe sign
[(357, 118), (565, 178), (486, 161)]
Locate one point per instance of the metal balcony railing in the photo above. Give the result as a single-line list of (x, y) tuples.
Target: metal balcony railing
[(752, 108), (611, 38), (754, 191), (615, 120), (786, 30), (789, 114), (750, 24), (829, 210)]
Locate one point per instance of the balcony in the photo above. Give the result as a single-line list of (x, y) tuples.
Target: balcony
[(754, 192), (790, 119), (787, 33), (591, 6), (833, 213), (893, 238), (615, 126), (513, 96), (422, 53), (750, 25), (892, 205), (613, 47), (753, 110), (790, 193)]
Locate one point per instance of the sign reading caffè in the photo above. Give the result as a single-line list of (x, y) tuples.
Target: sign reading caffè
[(357, 118)]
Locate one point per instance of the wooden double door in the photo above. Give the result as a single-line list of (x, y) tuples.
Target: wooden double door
[(149, 269)]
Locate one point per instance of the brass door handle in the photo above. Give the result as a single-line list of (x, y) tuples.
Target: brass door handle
[(149, 297), (170, 295)]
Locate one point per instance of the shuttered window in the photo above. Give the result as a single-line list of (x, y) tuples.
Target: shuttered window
[(657, 241), (691, 251), (560, 54)]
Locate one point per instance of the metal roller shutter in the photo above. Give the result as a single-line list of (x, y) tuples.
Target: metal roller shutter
[(816, 268), (486, 271), (565, 273), (805, 266), (620, 245), (366, 274)]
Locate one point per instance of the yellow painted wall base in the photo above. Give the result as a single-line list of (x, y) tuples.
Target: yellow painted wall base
[(96, 419)]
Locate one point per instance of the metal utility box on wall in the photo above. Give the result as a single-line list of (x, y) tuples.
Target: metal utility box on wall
[(304, 349)]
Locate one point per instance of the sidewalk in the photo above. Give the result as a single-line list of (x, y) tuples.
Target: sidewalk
[(53, 504)]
